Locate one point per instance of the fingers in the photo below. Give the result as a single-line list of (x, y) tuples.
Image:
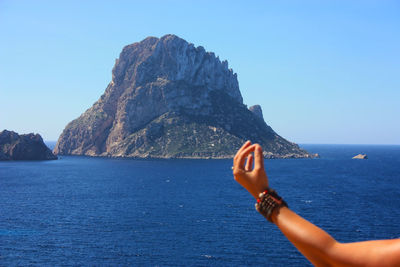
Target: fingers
[(249, 163), (258, 157), (246, 144), (243, 155)]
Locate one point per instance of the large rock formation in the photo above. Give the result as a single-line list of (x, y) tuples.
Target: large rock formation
[(23, 147), (168, 98)]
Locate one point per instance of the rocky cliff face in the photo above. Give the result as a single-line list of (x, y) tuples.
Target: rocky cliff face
[(168, 98), (23, 147)]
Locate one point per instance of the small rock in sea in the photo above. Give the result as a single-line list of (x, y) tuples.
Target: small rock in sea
[(360, 156), (23, 147), (207, 256)]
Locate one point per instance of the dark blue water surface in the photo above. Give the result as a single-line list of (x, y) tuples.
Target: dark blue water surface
[(101, 211)]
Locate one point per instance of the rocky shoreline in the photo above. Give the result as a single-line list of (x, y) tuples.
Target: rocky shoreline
[(266, 156)]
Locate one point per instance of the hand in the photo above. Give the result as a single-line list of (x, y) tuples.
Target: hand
[(254, 179)]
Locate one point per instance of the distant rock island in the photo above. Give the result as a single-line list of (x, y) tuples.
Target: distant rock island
[(23, 147), (170, 99), (360, 156)]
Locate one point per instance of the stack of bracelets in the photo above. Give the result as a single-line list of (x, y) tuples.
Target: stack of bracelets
[(268, 201)]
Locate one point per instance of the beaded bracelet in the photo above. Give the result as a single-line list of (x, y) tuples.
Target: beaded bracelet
[(268, 201)]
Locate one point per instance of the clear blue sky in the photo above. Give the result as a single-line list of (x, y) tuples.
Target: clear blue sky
[(323, 71)]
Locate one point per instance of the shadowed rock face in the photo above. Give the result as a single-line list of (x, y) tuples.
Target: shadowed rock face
[(168, 98), (256, 109), (23, 147)]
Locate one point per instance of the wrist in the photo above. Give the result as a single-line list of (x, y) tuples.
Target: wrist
[(269, 203), (256, 193), (259, 190)]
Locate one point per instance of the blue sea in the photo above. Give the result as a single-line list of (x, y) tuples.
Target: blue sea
[(129, 212)]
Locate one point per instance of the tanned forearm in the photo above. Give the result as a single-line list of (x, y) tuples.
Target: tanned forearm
[(311, 241), (323, 250)]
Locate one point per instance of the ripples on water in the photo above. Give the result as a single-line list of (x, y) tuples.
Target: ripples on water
[(97, 211)]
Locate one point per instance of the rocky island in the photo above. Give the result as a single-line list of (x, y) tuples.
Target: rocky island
[(360, 156), (23, 147), (170, 99)]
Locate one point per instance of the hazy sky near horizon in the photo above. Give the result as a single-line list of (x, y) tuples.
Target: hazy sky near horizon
[(322, 71)]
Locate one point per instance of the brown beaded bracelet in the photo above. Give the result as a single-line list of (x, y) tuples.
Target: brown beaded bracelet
[(268, 201)]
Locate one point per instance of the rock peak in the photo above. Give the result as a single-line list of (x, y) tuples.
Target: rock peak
[(171, 37), (256, 109), (173, 58)]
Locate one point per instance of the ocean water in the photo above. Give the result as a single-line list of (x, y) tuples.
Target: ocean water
[(124, 212)]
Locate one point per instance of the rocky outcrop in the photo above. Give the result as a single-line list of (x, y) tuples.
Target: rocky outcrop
[(360, 156), (168, 98), (256, 109), (23, 147)]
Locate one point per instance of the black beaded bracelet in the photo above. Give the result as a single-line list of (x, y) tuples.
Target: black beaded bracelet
[(268, 201)]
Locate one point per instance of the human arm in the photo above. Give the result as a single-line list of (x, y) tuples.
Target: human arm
[(313, 242)]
